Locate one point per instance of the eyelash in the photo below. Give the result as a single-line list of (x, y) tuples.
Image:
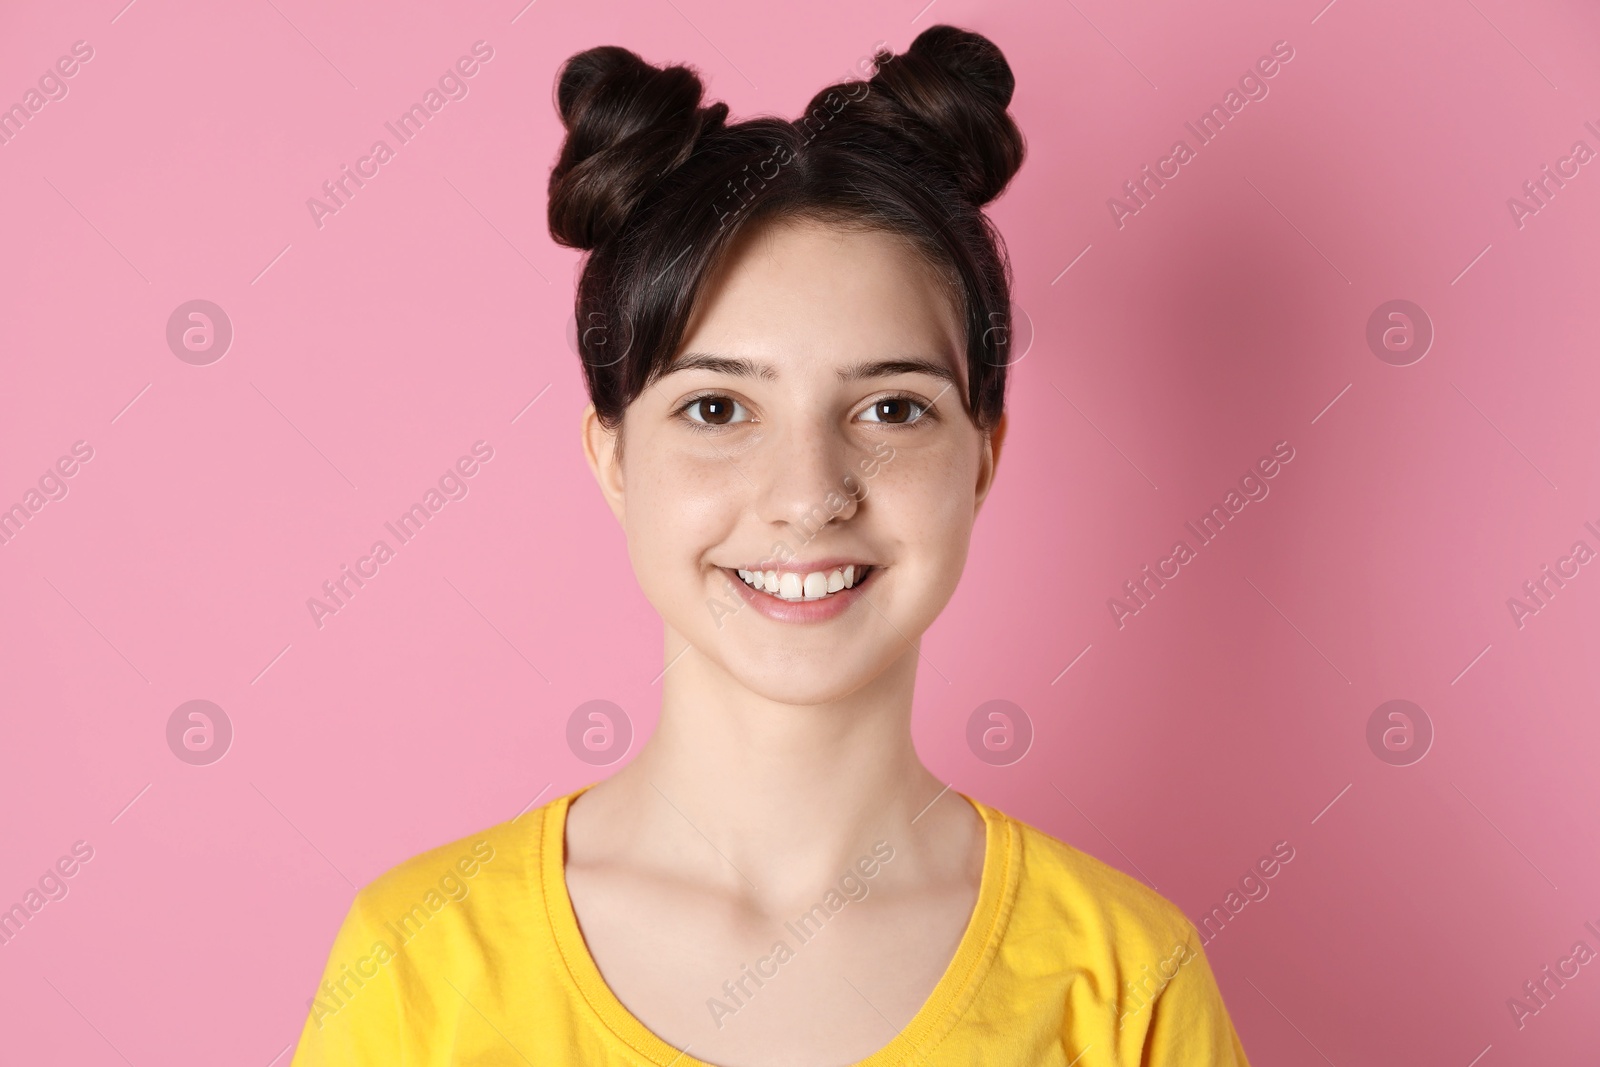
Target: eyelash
[(682, 411)]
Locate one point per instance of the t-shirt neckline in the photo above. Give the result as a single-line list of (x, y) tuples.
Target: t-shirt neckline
[(943, 1007)]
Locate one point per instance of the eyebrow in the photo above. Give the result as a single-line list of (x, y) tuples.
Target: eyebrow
[(746, 368)]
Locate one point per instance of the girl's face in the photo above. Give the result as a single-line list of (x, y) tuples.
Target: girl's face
[(811, 431)]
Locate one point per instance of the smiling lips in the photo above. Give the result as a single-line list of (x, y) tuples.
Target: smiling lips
[(805, 585)]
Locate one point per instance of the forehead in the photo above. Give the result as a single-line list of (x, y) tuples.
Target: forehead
[(818, 293)]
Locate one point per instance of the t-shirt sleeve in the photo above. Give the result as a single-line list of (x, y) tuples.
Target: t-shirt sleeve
[(1189, 1024), (355, 1018)]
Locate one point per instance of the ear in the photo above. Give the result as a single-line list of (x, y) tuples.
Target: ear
[(600, 449), (990, 460)]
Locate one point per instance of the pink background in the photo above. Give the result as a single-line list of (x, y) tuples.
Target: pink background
[(1225, 316)]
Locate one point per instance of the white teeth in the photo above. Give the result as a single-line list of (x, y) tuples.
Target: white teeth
[(791, 585)]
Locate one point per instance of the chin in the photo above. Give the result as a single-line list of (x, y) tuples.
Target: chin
[(799, 685)]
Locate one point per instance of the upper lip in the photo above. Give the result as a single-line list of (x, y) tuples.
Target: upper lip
[(836, 563)]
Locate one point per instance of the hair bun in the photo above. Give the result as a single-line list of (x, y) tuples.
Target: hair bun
[(628, 124), (957, 85)]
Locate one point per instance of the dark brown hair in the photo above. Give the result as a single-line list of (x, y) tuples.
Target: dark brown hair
[(655, 187)]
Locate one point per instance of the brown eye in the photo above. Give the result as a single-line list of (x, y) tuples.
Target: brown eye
[(712, 410), (896, 410)]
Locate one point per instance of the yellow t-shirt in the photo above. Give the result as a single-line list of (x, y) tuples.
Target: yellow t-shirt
[(471, 953)]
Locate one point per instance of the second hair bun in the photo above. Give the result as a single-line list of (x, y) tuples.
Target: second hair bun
[(954, 86)]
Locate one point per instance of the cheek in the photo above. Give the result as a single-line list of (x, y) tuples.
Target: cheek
[(679, 506), (924, 501)]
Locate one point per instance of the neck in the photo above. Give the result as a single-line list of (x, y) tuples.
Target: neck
[(770, 797)]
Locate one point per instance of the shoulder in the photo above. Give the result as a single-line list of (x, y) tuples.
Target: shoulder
[(1087, 904), (454, 869), (1153, 988), (461, 913), (470, 887)]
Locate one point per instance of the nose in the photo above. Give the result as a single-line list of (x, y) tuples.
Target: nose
[(805, 478)]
